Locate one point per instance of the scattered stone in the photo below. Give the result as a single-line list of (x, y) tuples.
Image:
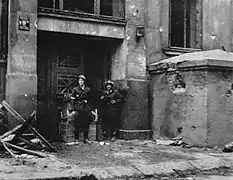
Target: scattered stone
[(228, 147), (179, 91), (177, 143), (101, 143), (104, 143), (164, 142), (72, 143)]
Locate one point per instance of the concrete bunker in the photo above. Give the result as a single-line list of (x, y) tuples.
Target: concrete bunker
[(192, 95)]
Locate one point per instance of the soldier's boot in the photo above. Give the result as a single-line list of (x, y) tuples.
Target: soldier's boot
[(85, 139)]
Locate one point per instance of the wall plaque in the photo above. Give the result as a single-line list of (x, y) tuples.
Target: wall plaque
[(24, 23)]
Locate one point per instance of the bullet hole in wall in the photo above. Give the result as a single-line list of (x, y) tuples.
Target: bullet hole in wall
[(179, 81), (193, 127), (175, 80), (179, 130), (229, 91)]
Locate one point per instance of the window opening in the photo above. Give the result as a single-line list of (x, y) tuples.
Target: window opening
[(185, 23), (85, 6), (106, 7), (113, 8), (46, 3)]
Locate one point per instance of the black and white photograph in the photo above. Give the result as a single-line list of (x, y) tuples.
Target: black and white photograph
[(116, 89)]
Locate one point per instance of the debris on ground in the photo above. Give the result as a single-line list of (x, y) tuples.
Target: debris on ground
[(164, 142), (19, 144), (228, 147), (104, 143), (178, 141)]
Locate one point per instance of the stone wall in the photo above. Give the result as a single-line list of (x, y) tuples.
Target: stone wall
[(217, 24), (128, 67), (134, 118), (157, 29), (21, 77), (216, 29), (192, 97)]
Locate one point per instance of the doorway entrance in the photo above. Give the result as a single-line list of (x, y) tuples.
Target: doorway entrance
[(61, 58)]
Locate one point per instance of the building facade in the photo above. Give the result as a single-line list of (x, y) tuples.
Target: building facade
[(46, 43), (50, 42)]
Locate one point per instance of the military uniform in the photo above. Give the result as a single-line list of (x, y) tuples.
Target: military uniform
[(81, 105), (111, 99)]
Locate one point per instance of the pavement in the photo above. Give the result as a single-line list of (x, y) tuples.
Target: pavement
[(114, 160)]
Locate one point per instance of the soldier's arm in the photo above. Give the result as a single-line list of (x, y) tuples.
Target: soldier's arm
[(104, 96), (73, 94), (119, 97)]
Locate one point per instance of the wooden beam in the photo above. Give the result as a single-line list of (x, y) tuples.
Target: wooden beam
[(34, 146), (8, 150), (39, 154), (18, 117), (11, 131)]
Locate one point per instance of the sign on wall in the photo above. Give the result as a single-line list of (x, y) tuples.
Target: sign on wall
[(24, 23)]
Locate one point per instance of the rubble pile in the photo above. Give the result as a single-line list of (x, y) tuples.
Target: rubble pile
[(177, 141), (23, 139)]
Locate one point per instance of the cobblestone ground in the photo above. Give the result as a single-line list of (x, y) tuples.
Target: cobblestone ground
[(128, 152), (216, 174), (120, 153), (120, 159)]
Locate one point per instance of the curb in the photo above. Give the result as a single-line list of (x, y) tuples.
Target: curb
[(142, 170)]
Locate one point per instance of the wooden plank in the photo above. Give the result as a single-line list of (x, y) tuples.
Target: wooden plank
[(29, 143), (12, 111), (8, 150), (39, 154), (18, 117), (25, 125), (11, 131)]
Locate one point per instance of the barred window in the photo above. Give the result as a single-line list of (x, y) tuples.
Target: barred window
[(63, 82)]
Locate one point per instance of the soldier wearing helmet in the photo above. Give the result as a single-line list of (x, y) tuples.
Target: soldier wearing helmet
[(111, 99), (80, 98)]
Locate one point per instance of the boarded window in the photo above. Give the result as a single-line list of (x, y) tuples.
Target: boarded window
[(185, 23)]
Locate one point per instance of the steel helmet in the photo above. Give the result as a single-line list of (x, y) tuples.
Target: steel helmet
[(82, 77), (109, 82)]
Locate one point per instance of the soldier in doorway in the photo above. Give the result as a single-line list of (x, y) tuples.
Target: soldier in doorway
[(111, 99), (80, 99)]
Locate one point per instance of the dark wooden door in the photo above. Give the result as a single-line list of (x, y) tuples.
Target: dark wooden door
[(60, 60), (65, 68), (67, 65), (58, 67)]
